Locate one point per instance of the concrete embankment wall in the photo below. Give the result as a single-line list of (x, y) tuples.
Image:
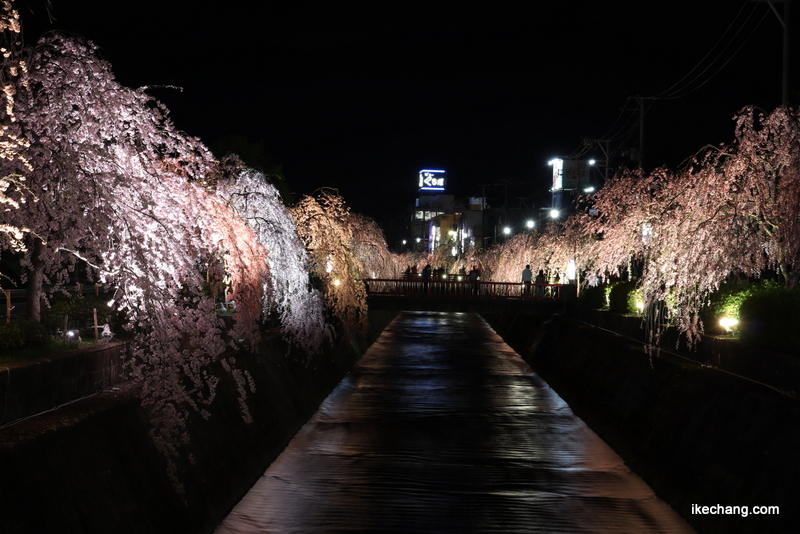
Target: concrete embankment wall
[(91, 467), (695, 434), (29, 387)]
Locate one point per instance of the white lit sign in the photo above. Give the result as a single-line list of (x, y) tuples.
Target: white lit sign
[(558, 173), (431, 180)]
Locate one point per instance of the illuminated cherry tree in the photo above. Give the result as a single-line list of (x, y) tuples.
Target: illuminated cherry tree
[(371, 250), (556, 251), (285, 288), (625, 211), (122, 191), (734, 211), (14, 165), (325, 225)]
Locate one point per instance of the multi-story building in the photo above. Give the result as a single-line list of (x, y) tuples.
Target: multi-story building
[(438, 220)]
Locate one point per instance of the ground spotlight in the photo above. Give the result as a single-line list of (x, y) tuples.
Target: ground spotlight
[(729, 324)]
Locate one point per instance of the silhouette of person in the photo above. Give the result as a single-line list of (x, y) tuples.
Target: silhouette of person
[(540, 281), (474, 274), (426, 275), (527, 280)]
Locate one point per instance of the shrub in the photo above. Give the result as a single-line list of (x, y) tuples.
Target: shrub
[(728, 300), (594, 297), (635, 300), (619, 298), (11, 337), (22, 333), (768, 317)]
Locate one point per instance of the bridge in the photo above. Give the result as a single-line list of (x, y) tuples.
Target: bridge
[(454, 294)]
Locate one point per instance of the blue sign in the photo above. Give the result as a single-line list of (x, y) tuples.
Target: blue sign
[(431, 180)]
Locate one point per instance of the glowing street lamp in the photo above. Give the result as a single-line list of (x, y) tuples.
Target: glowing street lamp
[(554, 213), (530, 224), (506, 230)]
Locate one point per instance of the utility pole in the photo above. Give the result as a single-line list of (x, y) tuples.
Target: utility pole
[(604, 145), (640, 100), (785, 22)]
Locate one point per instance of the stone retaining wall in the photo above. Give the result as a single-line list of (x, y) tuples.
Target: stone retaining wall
[(31, 386)]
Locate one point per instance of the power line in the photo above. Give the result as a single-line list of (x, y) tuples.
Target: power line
[(720, 54), (674, 92)]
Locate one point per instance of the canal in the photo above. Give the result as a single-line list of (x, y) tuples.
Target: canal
[(442, 427)]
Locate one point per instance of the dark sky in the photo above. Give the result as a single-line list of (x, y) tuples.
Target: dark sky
[(360, 96)]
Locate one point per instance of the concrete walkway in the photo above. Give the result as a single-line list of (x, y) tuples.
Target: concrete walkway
[(442, 427)]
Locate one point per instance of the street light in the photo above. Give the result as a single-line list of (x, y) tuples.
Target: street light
[(506, 230), (530, 224), (554, 213)]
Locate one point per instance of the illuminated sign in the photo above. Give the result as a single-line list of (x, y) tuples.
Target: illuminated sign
[(431, 180), (570, 173), (558, 173)]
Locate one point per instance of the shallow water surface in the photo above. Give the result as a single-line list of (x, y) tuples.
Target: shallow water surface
[(442, 427)]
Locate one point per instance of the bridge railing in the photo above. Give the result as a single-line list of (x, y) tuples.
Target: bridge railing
[(464, 288)]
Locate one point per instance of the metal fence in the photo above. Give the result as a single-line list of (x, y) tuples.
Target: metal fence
[(462, 288)]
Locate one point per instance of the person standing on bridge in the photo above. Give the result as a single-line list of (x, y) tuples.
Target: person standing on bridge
[(474, 274), (426, 275), (540, 281), (527, 280)]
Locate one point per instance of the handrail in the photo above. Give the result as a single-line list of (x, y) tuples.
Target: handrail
[(448, 288)]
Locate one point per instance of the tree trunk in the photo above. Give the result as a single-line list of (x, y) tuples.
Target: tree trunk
[(790, 276), (34, 285)]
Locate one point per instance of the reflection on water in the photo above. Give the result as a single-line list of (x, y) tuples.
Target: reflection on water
[(443, 428)]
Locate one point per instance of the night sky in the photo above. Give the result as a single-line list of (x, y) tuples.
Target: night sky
[(360, 96)]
